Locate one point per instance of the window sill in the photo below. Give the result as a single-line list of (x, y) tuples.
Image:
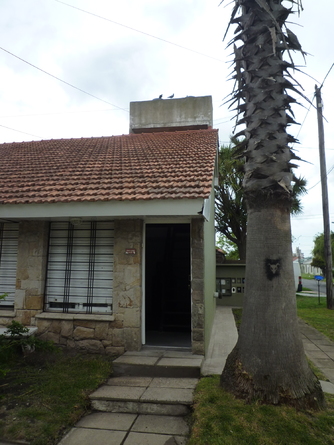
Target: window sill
[(7, 314), (62, 316)]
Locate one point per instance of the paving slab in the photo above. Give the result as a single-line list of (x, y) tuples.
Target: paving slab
[(329, 373), (224, 336), (154, 439), (328, 348), (180, 362), (115, 406), (146, 352), (309, 345), (136, 360), (180, 354), (107, 421), (317, 354), (130, 381), (327, 387), (165, 382), (168, 395), (163, 409), (118, 392), (161, 425), (86, 436)]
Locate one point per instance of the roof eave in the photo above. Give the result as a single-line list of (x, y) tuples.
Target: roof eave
[(103, 209)]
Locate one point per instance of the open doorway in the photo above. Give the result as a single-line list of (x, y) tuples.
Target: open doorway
[(167, 285)]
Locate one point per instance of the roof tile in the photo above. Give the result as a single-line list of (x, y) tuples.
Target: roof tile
[(170, 165)]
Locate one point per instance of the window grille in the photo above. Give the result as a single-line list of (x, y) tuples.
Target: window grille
[(80, 267), (9, 234)]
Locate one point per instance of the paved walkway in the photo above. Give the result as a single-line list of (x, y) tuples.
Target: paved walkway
[(110, 428), (320, 351)]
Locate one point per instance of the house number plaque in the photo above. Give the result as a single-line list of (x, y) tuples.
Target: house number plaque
[(130, 252)]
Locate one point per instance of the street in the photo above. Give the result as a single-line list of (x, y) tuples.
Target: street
[(313, 285)]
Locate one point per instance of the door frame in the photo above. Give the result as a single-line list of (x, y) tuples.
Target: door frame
[(152, 220)]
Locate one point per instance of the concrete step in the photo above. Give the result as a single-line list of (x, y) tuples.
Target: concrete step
[(145, 395), (157, 363)]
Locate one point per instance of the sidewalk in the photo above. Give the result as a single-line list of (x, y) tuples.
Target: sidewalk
[(320, 350)]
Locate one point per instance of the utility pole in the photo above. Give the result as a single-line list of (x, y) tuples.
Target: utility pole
[(325, 209)]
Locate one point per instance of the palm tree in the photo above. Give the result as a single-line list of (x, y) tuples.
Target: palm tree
[(268, 363), (230, 205)]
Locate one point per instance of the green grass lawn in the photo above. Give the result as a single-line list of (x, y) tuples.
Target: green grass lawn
[(43, 395), (220, 419), (316, 315)]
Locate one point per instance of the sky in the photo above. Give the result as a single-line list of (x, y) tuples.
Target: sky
[(69, 69)]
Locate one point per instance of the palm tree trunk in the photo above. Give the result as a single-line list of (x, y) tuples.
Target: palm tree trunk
[(268, 363)]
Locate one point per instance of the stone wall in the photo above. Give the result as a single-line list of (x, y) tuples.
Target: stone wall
[(128, 280), (197, 289), (31, 270), (74, 332)]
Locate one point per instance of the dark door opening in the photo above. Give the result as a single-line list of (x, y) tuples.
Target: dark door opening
[(167, 285)]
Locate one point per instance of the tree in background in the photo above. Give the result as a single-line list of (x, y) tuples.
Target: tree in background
[(230, 249), (268, 363), (231, 211), (318, 252)]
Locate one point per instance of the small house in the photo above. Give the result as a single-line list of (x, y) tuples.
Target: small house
[(107, 243)]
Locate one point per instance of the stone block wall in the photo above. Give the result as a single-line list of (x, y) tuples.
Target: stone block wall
[(197, 288), (127, 300), (31, 270), (93, 336)]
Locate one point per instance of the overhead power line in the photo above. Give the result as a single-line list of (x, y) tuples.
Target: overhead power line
[(141, 32), (23, 132), (61, 80)]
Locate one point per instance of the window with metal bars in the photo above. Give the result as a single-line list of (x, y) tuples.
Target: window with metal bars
[(9, 234), (80, 267)]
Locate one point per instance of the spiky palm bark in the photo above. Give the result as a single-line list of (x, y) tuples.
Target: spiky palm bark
[(268, 363)]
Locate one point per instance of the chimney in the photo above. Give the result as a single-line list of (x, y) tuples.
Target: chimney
[(188, 113)]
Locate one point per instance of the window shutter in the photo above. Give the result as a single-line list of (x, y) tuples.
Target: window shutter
[(80, 267), (9, 234)]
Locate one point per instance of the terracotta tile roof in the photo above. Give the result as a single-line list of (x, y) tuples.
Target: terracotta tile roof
[(171, 165)]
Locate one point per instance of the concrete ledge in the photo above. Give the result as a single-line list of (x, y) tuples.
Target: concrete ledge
[(61, 316), (7, 314), (132, 407)]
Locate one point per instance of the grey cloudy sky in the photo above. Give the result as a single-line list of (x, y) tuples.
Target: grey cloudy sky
[(134, 50)]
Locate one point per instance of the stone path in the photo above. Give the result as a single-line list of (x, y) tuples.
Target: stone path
[(140, 405)]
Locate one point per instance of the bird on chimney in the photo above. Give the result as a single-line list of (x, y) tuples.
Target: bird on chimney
[(171, 97), (160, 97)]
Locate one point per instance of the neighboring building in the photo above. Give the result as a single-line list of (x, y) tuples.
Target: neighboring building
[(108, 243), (230, 283), (307, 268)]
